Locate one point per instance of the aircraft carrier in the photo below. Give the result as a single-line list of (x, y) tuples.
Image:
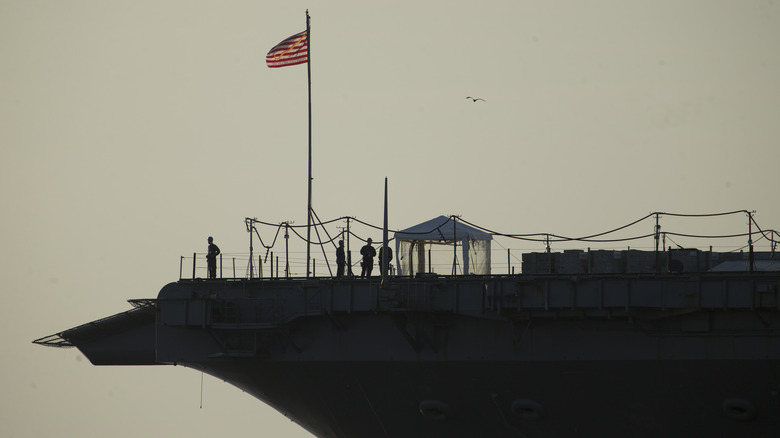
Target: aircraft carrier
[(581, 344)]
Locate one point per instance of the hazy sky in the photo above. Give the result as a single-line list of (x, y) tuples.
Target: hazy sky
[(132, 130)]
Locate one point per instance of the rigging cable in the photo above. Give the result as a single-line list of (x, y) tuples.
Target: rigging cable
[(531, 237), (559, 238), (700, 215), (322, 245), (268, 248)]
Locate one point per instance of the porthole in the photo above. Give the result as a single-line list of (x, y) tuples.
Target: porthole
[(435, 410), (739, 409), (527, 409)]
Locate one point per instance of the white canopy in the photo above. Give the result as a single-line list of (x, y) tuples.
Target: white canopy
[(431, 246)]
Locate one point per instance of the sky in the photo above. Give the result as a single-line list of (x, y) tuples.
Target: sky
[(131, 131)]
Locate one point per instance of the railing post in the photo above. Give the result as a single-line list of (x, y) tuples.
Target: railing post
[(181, 263), (194, 259), (751, 259), (549, 257)]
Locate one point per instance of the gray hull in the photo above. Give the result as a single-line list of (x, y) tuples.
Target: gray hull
[(502, 399), (518, 356)]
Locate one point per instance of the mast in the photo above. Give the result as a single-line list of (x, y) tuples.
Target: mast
[(308, 207), (295, 50)]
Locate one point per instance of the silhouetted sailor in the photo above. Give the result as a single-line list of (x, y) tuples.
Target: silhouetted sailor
[(341, 260), (368, 252), (211, 258), (389, 258)]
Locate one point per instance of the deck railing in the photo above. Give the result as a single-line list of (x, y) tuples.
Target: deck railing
[(628, 260), (239, 266)]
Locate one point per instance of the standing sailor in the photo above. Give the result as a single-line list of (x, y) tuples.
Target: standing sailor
[(341, 260), (211, 258), (368, 252), (389, 258)]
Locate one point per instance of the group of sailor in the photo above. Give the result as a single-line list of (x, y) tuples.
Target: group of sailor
[(367, 264)]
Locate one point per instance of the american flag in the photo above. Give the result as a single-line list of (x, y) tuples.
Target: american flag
[(292, 51)]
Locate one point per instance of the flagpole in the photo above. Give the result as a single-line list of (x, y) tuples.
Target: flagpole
[(308, 208)]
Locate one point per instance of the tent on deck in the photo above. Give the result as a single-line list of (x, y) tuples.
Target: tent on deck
[(444, 246)]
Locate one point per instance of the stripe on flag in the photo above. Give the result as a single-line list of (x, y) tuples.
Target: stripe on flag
[(292, 51)]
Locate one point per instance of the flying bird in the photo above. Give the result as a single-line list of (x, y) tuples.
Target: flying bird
[(474, 99)]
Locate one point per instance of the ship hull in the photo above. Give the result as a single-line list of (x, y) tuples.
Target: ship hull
[(515, 356), (511, 399)]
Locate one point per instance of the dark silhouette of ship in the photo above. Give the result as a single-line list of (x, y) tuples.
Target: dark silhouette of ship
[(676, 343)]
